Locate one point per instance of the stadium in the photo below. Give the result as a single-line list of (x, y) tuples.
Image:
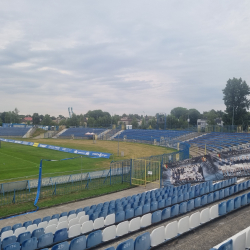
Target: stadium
[(192, 183)]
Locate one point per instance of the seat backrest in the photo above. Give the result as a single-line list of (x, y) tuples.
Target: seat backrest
[(156, 216), (222, 208), (19, 230), (183, 207), (60, 235), (205, 215), (61, 225), (226, 246), (94, 239), (194, 220), (73, 222), (129, 213), (87, 226), (98, 223), (16, 226), (83, 219), (109, 220), (146, 220), (30, 244), (80, 214), (53, 222), (239, 240), (138, 210), (135, 224), (142, 242), (61, 246), (47, 218), (43, 224), (78, 243), (50, 229), (24, 236), (37, 232), (45, 240), (72, 216), (166, 213), (27, 223), (109, 233), (119, 216), (13, 246), (146, 208), (171, 230), (55, 216), (214, 211), (31, 228), (157, 236), (63, 218), (183, 225), (8, 240), (6, 234), (74, 231), (126, 245), (122, 228)]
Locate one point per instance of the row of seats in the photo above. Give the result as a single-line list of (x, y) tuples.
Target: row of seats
[(160, 235), (13, 131), (239, 241), (75, 230), (132, 206)]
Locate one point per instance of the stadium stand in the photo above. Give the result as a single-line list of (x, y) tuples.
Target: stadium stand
[(51, 230), (216, 142), (150, 135), (81, 132), (14, 132)]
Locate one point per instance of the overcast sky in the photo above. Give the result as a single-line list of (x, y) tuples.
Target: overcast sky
[(124, 56)]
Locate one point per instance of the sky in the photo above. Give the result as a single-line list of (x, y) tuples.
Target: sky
[(128, 56)]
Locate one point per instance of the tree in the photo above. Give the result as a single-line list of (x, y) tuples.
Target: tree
[(210, 116), (194, 115), (235, 99), (179, 112), (134, 123), (47, 120), (36, 118)]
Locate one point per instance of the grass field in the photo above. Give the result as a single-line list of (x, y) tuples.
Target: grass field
[(22, 162)]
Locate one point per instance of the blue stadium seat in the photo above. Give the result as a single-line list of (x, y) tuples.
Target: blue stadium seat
[(45, 240), (138, 211), (237, 202), (86, 208), (161, 204), (166, 213), (47, 218), (103, 214), (243, 199), (61, 246), (93, 216), (202, 191), (8, 240), (23, 236), (186, 196), (120, 216), (126, 245), (168, 201), (248, 197), (231, 190), (197, 202), (180, 198), (153, 206), (183, 207), (79, 210), (197, 192), (190, 205), (13, 246), (216, 195), (29, 244), (175, 210), (191, 195), (78, 243), (156, 216), (16, 226), (146, 208), (142, 242), (27, 223), (222, 208), (230, 205), (94, 239), (227, 245), (60, 235), (37, 221), (226, 192), (7, 228), (204, 200), (236, 188), (129, 213), (240, 188), (221, 194), (37, 232), (174, 200), (55, 216)]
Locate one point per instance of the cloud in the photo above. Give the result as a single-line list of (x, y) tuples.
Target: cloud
[(122, 57)]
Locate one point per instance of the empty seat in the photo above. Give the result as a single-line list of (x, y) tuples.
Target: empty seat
[(80, 214), (18, 225), (210, 198), (230, 205), (222, 208), (8, 240), (6, 234), (72, 216), (94, 239), (190, 205), (175, 210), (153, 206), (135, 224), (138, 210), (37, 221), (27, 223), (78, 243), (119, 217), (87, 226), (109, 220), (19, 230), (129, 213), (31, 228), (60, 235), (126, 245), (194, 220), (62, 225), (197, 202), (237, 202), (122, 228), (4, 229), (214, 212), (55, 216), (50, 229), (13, 246), (24, 236), (37, 232), (53, 222), (98, 223), (204, 200), (30, 244), (74, 231), (146, 208), (83, 219), (43, 224), (64, 218), (109, 233), (157, 236), (142, 242), (146, 220), (205, 215), (47, 218), (61, 246), (183, 225), (45, 240), (244, 200), (183, 207), (156, 216), (73, 222), (166, 213)]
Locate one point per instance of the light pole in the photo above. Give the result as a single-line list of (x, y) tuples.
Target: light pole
[(188, 121)]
